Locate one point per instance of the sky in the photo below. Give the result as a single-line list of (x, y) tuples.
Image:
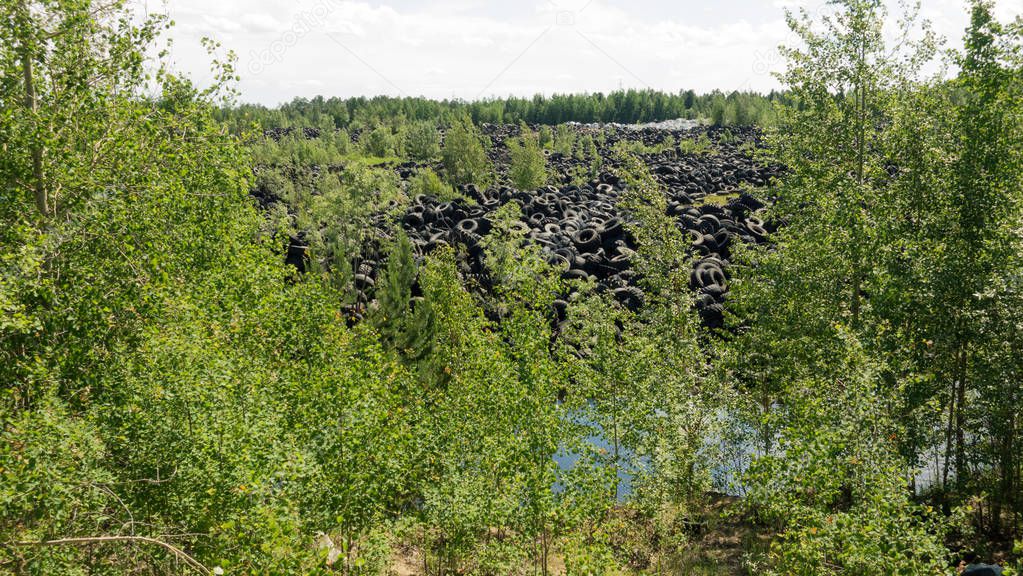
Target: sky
[(474, 49)]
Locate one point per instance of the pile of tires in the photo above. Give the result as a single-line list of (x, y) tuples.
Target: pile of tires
[(580, 228)]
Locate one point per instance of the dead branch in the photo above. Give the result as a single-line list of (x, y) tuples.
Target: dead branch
[(177, 552)]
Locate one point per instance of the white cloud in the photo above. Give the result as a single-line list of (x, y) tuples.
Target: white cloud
[(261, 22), (471, 48)]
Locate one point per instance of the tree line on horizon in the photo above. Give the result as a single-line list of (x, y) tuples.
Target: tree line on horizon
[(737, 108)]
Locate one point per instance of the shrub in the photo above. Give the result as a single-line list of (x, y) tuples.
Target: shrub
[(546, 137), (422, 141), (465, 158), (379, 142), (427, 182), (528, 168), (564, 140)]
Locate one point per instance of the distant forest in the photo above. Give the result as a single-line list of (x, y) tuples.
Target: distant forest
[(625, 107)]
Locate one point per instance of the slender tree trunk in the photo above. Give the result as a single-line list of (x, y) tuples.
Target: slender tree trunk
[(961, 465), (614, 436), (765, 429), (1007, 469), (32, 107), (426, 554), (856, 288), (545, 550), (861, 104), (948, 436), (1017, 498)]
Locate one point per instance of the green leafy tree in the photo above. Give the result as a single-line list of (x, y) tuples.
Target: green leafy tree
[(528, 169), (810, 314), (153, 346), (422, 142), (564, 139), (545, 137), (678, 401), (379, 142), (465, 158), (835, 484), (958, 259), (404, 327)]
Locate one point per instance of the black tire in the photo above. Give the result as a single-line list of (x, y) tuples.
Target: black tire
[(575, 274), (414, 220), (722, 237), (586, 239), (710, 276), (468, 226), (756, 230), (630, 296), (560, 262), (706, 242), (619, 262), (611, 229), (715, 291), (713, 316), (519, 227), (703, 301), (708, 224)]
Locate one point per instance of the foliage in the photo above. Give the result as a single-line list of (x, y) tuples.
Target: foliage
[(427, 182), (379, 142), (637, 148), (528, 170), (564, 140), (164, 374), (545, 137), (422, 141), (465, 159), (699, 145), (954, 294), (834, 483), (838, 307), (621, 106)]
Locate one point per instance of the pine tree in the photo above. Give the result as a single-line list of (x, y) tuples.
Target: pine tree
[(403, 326)]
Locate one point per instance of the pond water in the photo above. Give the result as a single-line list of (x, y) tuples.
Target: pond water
[(728, 458), (598, 440)]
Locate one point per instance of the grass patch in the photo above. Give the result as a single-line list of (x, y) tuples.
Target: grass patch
[(370, 160), (716, 199)]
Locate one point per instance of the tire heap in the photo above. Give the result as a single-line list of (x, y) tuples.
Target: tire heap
[(580, 228), (276, 134), (583, 234)]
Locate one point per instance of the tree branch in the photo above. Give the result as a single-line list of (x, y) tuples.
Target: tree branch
[(177, 552)]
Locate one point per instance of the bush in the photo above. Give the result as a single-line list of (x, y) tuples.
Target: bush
[(422, 141), (528, 169), (379, 142), (546, 137), (427, 182), (564, 140), (465, 158), (340, 140), (700, 145)]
